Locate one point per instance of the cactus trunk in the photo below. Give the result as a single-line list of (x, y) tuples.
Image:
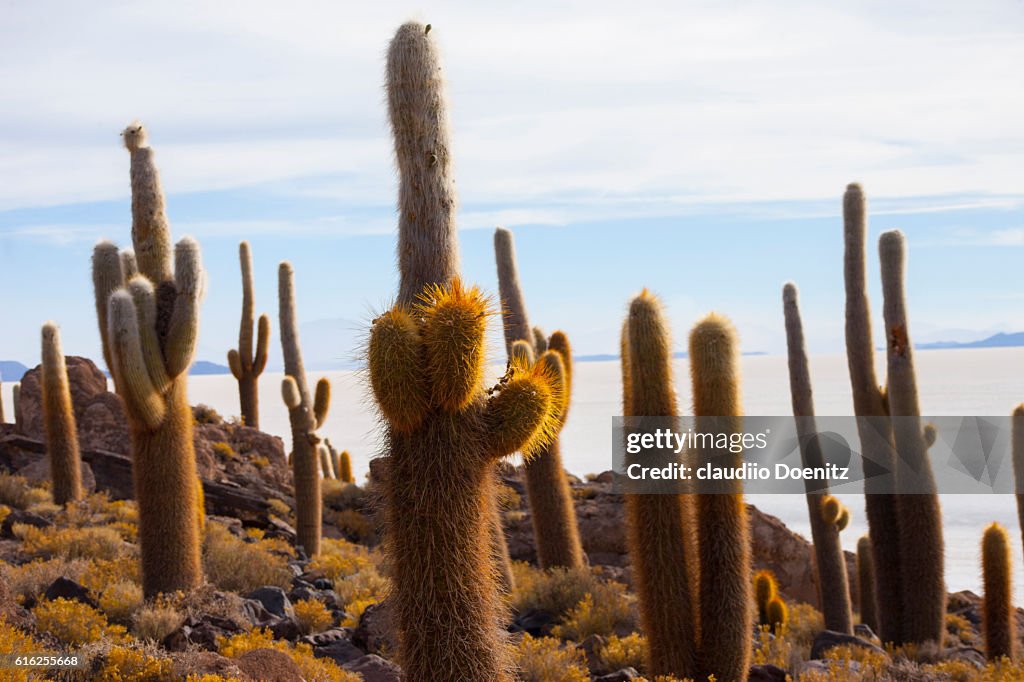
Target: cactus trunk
[(59, 421), (866, 584), (1017, 440), (999, 624)]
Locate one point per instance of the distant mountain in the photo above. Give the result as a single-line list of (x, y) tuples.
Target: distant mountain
[(1000, 340), (202, 367), (11, 370)]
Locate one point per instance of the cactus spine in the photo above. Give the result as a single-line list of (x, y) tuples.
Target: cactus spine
[(999, 624), (149, 326), (445, 434), (833, 587), (660, 526), (866, 584), (725, 621), (59, 420), (920, 517), (555, 531), (873, 424), (778, 614), (344, 467), (765, 589), (246, 365), (305, 414)]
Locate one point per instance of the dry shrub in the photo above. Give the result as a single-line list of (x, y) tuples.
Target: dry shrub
[(239, 566), (623, 652), (313, 669), (92, 542), (545, 660), (30, 580), (75, 623), (340, 495), (602, 611), (555, 591), (312, 616), (155, 621), (100, 573), (353, 524), (124, 664), (16, 492), (120, 600)]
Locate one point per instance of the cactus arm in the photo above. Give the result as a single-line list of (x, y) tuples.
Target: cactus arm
[(259, 362), (290, 393), (293, 365), (522, 351), (151, 233), (128, 265), (453, 330), (107, 277), (131, 376), (519, 414), (144, 299), (183, 332), (540, 341), (321, 402), (516, 322), (397, 377), (235, 364)]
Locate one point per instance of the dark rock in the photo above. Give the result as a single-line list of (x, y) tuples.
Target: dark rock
[(967, 654), (23, 517), (327, 637), (300, 593), (373, 668), (273, 599), (269, 665), (341, 652), (767, 673), (373, 634), (623, 675), (201, 632), (534, 622), (38, 472), (256, 613), (323, 584), (276, 528), (829, 639), (285, 628), (591, 650), (68, 589), (864, 631)]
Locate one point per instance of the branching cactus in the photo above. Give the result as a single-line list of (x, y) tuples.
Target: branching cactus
[(920, 516), (660, 526), (866, 584), (149, 325), (553, 514), (999, 623), (247, 365), (59, 421), (306, 414), (833, 585), (873, 424), (725, 615)]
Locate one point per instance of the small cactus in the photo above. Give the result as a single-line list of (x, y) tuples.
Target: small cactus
[(866, 584), (59, 421), (765, 589), (778, 614), (999, 624), (245, 363)]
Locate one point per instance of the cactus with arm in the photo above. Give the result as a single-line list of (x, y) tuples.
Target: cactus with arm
[(246, 364)]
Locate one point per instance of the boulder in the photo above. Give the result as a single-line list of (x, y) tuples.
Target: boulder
[(65, 588), (767, 673), (828, 639), (27, 518), (200, 663), (274, 600), (201, 632), (373, 668), (623, 675), (269, 665), (373, 634)]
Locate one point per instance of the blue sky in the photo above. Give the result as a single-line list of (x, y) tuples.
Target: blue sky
[(695, 148)]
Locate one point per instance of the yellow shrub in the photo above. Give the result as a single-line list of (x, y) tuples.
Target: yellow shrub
[(312, 616), (556, 590), (260, 462), (120, 600), (353, 524), (93, 542), (224, 451), (368, 585), (14, 641), (279, 508), (156, 621), (16, 492), (598, 613), (623, 652), (313, 669), (132, 665), (544, 660), (354, 611), (339, 559), (75, 623), (31, 579), (234, 565), (210, 677), (4, 511), (103, 572)]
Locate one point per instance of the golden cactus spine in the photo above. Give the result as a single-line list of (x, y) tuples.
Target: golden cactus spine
[(725, 622), (999, 624), (659, 526), (246, 363), (866, 584), (873, 424), (920, 516), (765, 589), (306, 414), (59, 420), (344, 467), (445, 433), (833, 586), (778, 614), (553, 514), (149, 324)]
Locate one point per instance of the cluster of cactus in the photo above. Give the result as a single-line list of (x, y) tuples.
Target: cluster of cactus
[(691, 557), (246, 363), (445, 432), (147, 303), (833, 583), (306, 414), (772, 612), (334, 464), (59, 420), (556, 534), (999, 625)]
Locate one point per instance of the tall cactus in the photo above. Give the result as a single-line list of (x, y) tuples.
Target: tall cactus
[(1017, 441), (999, 624), (920, 516), (833, 587), (659, 526), (722, 525), (306, 414), (868, 604), (247, 365), (148, 325), (445, 433), (59, 420), (873, 424), (553, 514), (16, 404)]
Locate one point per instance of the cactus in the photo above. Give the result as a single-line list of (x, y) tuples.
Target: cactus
[(344, 467), (721, 518), (765, 589), (326, 465), (148, 325), (553, 514), (445, 434), (873, 424), (660, 526), (305, 415), (866, 584), (833, 587), (920, 517), (999, 624), (1017, 440), (59, 421), (778, 614), (246, 365)]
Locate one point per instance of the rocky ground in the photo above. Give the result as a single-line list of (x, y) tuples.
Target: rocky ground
[(271, 614)]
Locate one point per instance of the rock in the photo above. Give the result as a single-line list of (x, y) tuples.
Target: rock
[(255, 613), (327, 637), (591, 650), (301, 593), (269, 665), (373, 668), (274, 600), (23, 517), (373, 634), (967, 654), (767, 673), (11, 612), (342, 651), (285, 628), (39, 471), (276, 528), (828, 639), (864, 632), (68, 589), (623, 675), (201, 663), (323, 584), (534, 622), (202, 632)]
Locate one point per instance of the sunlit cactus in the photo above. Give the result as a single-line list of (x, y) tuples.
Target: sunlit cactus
[(765, 589), (246, 363), (149, 325), (59, 420), (866, 584), (999, 624)]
